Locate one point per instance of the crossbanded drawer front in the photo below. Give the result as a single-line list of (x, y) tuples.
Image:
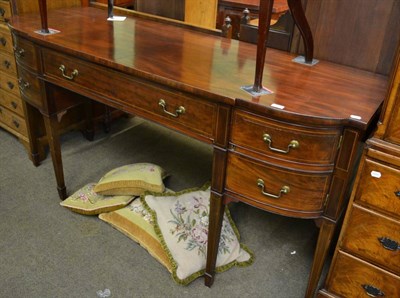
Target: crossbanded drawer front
[(379, 187), (6, 44), (11, 102), (13, 121), (7, 63), (373, 237), (352, 277), (280, 190), (9, 83), (29, 86), (5, 10), (145, 99), (25, 53), (282, 140)]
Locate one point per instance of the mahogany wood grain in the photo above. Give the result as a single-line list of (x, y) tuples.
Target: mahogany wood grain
[(174, 9), (365, 228), (43, 16), (25, 7), (351, 273)]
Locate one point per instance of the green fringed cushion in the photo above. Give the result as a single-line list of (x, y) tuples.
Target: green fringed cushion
[(133, 179), (135, 222), (86, 201), (181, 222)]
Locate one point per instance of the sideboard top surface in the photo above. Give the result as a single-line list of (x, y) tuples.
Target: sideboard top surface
[(210, 66)]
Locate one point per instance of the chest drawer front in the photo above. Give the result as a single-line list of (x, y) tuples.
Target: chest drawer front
[(5, 39), (5, 10), (12, 120), (11, 102), (379, 186), (29, 87), (352, 277), (282, 140), (7, 63), (145, 98), (9, 83), (305, 192), (373, 237), (25, 53)]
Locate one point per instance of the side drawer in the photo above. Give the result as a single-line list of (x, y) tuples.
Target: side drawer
[(6, 44), (352, 277), (25, 53), (29, 86), (379, 187), (5, 10), (282, 140), (305, 191), (11, 102), (373, 237), (13, 121), (141, 97), (9, 83), (7, 63)]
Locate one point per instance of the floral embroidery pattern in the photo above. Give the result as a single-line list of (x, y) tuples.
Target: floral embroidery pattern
[(137, 207), (190, 224), (87, 194)]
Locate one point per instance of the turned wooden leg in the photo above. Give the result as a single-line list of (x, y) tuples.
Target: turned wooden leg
[(214, 233), (299, 17), (326, 232), (32, 133), (51, 125)]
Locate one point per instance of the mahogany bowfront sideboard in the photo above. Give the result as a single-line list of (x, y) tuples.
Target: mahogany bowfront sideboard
[(292, 152)]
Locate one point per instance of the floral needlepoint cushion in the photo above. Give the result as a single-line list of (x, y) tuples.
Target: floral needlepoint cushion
[(133, 179), (86, 201), (137, 223), (181, 222)]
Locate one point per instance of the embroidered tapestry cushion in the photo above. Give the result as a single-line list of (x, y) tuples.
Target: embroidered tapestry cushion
[(181, 222), (135, 222), (133, 179), (86, 201)]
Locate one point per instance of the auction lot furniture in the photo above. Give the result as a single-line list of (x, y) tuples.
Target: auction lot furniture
[(291, 152), (367, 258)]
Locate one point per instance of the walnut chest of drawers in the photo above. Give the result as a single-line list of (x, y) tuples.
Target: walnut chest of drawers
[(367, 258)]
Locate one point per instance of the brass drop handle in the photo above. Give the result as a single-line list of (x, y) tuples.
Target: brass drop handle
[(74, 73), (16, 123), (268, 139), (3, 41), (7, 64), (372, 291), (23, 85), (284, 190), (19, 52), (389, 244), (180, 110)]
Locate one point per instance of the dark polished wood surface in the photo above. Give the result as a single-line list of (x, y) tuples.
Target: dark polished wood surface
[(132, 65), (209, 66)]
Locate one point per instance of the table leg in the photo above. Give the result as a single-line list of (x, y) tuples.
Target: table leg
[(299, 17), (214, 228), (324, 241), (32, 133), (51, 125)]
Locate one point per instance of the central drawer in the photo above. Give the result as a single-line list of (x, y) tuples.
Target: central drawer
[(154, 102), (373, 237), (280, 190), (253, 133)]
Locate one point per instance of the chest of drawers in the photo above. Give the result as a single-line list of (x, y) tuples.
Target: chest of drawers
[(367, 258)]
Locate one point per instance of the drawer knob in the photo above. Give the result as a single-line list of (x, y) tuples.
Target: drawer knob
[(19, 52), (2, 12), (268, 139), (389, 244), (6, 64), (14, 104), (10, 85), (23, 85), (284, 190), (397, 193), (71, 77), (16, 123), (3, 41), (180, 110), (372, 291)]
